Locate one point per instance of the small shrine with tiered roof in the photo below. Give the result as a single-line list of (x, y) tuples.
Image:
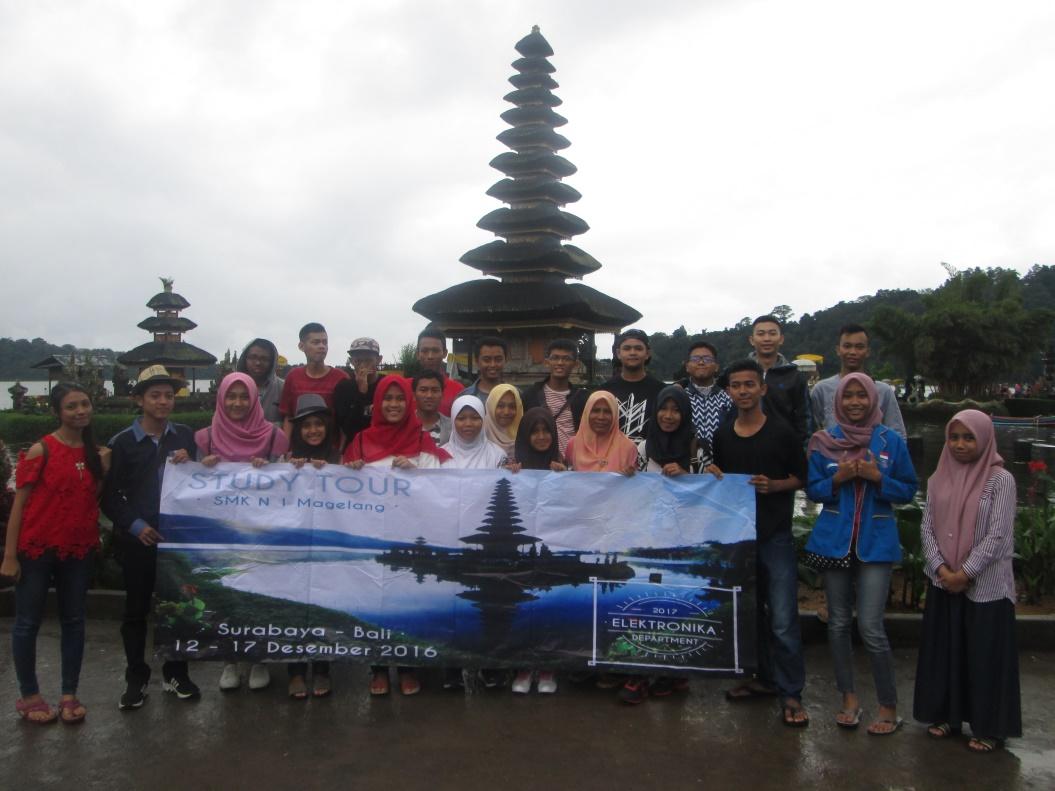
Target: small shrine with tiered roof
[(530, 303), (168, 347)]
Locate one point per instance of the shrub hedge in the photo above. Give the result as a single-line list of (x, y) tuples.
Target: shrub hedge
[(17, 429)]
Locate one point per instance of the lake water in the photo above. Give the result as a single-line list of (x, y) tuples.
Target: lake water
[(933, 434), (466, 617)]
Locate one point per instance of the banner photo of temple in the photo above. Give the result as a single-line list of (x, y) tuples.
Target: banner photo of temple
[(475, 568)]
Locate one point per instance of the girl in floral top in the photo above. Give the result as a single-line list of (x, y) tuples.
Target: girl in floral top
[(51, 534)]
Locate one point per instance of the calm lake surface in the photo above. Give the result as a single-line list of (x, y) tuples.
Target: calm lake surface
[(433, 609)]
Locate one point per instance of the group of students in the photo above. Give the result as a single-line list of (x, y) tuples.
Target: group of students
[(754, 419)]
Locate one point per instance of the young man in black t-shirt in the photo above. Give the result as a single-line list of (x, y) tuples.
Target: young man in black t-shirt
[(768, 449), (632, 386)]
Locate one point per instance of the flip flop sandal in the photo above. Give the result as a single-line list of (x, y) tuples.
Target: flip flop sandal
[(852, 722), (298, 690), (321, 686), (939, 730), (68, 707), (25, 709), (896, 723), (787, 717), (977, 745)]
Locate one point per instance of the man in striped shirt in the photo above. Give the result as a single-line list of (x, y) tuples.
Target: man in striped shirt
[(564, 400)]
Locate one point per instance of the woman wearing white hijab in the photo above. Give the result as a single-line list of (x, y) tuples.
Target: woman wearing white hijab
[(469, 447)]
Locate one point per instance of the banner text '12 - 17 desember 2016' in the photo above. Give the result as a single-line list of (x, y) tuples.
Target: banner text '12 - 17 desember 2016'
[(457, 568)]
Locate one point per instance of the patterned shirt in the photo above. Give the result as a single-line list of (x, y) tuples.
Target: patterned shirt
[(557, 404), (709, 409)]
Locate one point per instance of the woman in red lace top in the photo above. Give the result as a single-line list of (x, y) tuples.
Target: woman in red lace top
[(51, 535)]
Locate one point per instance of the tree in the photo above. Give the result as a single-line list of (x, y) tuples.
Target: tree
[(972, 332), (898, 329), (408, 358), (784, 313)]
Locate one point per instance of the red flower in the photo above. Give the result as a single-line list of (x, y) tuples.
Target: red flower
[(1037, 466)]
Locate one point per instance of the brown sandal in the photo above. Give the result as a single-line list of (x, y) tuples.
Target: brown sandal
[(408, 683), (321, 685), (379, 684), (298, 690)]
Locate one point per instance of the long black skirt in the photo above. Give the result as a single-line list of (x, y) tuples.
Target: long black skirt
[(968, 666)]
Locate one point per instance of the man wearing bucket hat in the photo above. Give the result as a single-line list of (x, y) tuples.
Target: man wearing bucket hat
[(132, 501), (353, 398)]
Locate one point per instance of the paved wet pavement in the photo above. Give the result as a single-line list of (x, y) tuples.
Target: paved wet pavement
[(576, 739)]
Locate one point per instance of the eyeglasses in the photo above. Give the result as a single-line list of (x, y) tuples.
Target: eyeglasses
[(560, 358), (706, 359), (258, 358)]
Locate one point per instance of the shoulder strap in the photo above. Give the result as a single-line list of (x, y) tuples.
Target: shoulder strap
[(271, 444), (208, 433), (44, 455)]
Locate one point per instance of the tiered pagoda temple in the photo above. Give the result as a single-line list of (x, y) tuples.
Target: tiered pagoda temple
[(502, 533), (168, 347), (531, 302)]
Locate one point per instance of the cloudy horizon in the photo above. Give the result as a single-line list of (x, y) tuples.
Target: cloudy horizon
[(288, 162)]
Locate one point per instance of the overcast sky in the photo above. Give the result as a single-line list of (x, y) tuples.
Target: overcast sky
[(296, 161)]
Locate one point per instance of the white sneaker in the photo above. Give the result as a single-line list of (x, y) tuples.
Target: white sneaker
[(259, 677), (547, 682), (522, 682), (229, 678)]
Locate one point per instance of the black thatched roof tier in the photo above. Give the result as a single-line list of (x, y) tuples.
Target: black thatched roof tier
[(534, 45), (532, 114), (544, 255), (540, 65), (544, 218), (485, 539), (178, 354), (533, 162), (497, 304), (166, 324), (531, 188), (521, 138), (168, 300), (537, 96), (535, 80)]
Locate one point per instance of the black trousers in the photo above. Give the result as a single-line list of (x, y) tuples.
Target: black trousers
[(139, 564)]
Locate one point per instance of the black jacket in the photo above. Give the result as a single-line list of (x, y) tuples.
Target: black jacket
[(787, 395), (133, 486), (533, 396)]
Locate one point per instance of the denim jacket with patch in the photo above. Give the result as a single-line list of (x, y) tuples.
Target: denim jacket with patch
[(877, 538)]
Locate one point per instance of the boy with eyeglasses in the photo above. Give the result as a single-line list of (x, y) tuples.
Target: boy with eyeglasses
[(259, 359), (711, 404), (564, 400)]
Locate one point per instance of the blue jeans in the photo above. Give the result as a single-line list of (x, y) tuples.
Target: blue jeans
[(780, 661), (70, 577), (873, 586)]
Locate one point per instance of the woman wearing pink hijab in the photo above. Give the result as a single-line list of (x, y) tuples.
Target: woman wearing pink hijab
[(858, 470), (968, 660), (240, 432)]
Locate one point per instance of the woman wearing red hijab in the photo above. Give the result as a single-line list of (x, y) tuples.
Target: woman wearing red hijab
[(394, 439), (968, 660)]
